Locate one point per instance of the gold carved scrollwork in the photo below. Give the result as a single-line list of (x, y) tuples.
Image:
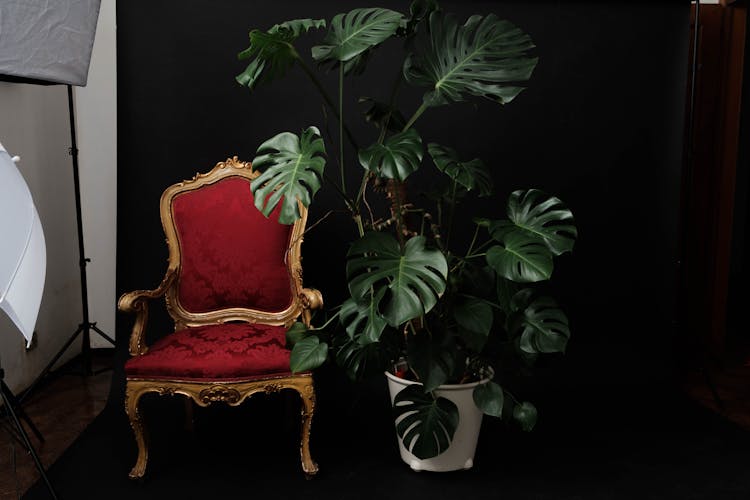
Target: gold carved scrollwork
[(165, 391), (218, 393), (273, 387)]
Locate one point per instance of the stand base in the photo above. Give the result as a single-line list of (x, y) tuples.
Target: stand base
[(85, 329), (10, 402)]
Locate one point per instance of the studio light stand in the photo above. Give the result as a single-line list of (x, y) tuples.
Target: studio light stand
[(15, 411), (86, 326)]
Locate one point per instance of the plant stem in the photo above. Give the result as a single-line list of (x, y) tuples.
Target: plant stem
[(488, 242), (326, 98), (360, 227), (347, 201), (362, 187), (341, 126), (451, 213), (421, 109), (394, 190), (327, 322), (391, 101), (473, 240)]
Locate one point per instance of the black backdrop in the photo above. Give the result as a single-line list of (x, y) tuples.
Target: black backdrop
[(600, 126)]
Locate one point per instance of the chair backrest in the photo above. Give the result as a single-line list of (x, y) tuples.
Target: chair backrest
[(232, 263)]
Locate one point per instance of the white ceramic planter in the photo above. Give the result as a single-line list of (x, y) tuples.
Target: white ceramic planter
[(460, 454)]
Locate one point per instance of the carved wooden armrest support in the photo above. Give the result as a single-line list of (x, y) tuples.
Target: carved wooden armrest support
[(310, 299), (137, 302)]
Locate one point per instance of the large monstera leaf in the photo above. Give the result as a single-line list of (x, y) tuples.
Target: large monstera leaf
[(361, 358), (473, 174), (292, 168), (382, 114), (396, 158), (534, 212), (484, 57), (539, 324), (474, 318), (272, 50), (425, 423), (432, 357), (414, 277), (361, 318), (352, 34), (520, 257)]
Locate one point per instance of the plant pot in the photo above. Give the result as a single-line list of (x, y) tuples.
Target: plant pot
[(460, 453)]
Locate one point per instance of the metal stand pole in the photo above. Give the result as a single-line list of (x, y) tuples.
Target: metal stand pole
[(86, 326)]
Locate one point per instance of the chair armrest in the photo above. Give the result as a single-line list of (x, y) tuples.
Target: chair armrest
[(311, 299), (137, 302)]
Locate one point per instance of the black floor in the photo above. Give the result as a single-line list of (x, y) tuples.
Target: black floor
[(608, 446)]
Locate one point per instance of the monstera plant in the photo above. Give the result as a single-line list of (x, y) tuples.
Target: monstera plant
[(439, 314)]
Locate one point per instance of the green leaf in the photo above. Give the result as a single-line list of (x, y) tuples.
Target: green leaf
[(537, 213), (414, 277), (506, 289), (521, 257), (362, 319), (273, 51), (474, 317), (361, 359), (418, 10), (297, 27), (432, 357), (380, 114), (355, 32), (252, 74), (308, 354), (526, 415), (396, 158), (542, 327), (292, 169), (296, 332), (481, 221), (473, 175), (425, 424), (489, 398), (485, 57)]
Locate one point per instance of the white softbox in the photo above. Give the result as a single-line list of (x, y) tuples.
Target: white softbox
[(23, 255), (47, 40)]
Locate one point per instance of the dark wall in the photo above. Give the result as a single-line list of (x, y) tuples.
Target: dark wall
[(600, 126)]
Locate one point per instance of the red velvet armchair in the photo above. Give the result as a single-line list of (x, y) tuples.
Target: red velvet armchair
[(233, 286)]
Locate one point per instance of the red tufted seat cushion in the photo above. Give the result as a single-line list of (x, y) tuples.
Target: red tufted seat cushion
[(231, 351)]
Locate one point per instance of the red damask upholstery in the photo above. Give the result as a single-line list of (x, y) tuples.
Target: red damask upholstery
[(232, 351), (232, 256)]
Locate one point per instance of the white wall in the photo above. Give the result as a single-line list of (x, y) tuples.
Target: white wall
[(96, 115), (34, 125)]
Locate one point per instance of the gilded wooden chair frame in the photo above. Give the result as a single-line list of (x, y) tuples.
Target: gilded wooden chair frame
[(207, 392)]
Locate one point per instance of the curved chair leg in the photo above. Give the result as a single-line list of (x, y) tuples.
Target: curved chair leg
[(308, 409), (132, 396)]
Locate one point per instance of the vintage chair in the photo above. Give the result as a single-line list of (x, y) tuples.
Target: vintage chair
[(233, 286)]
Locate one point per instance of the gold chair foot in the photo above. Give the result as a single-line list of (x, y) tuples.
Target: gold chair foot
[(137, 473), (310, 469)]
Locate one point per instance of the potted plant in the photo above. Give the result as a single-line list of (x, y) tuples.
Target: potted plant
[(447, 324)]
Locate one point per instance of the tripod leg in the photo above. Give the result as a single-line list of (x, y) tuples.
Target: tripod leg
[(8, 404), (102, 334), (49, 366), (19, 410)]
